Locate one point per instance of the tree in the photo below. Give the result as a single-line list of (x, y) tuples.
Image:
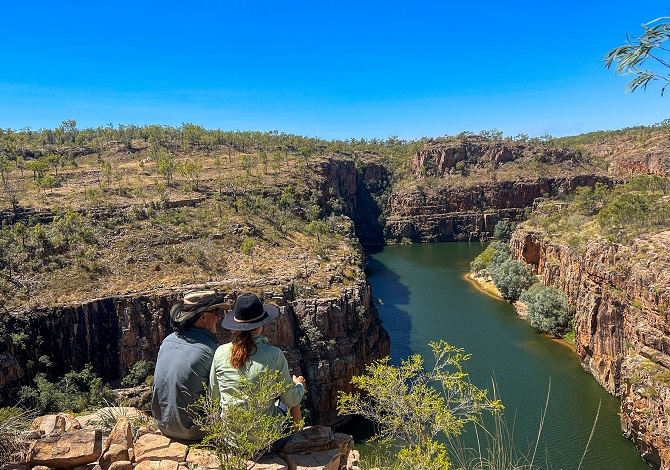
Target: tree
[(511, 278), (165, 165), (412, 406), (547, 308), (191, 169), (247, 248), (632, 57), (503, 230)]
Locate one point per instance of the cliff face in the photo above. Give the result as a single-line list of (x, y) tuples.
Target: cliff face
[(465, 213), (621, 299), (443, 159), (342, 182), (344, 334)]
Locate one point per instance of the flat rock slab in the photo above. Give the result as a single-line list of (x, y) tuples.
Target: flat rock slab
[(157, 447), (121, 465), (201, 459), (310, 438), (157, 465), (323, 460), (55, 424), (271, 462), (69, 450)]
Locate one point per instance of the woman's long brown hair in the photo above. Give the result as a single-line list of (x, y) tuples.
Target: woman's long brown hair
[(243, 347)]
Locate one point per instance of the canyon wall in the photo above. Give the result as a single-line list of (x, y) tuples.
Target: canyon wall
[(443, 159), (355, 188), (621, 298), (328, 340), (451, 214)]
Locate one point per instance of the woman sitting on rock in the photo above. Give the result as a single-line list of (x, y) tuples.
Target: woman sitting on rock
[(249, 354)]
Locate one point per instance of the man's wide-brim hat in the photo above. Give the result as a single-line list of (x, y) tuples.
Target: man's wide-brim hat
[(193, 304), (249, 313)]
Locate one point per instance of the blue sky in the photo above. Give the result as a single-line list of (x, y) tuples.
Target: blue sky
[(332, 70)]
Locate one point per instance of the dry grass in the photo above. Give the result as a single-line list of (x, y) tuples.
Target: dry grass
[(142, 244)]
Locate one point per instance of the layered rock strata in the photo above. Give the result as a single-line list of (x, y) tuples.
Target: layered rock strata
[(452, 214), (328, 340), (442, 159), (621, 299), (355, 188)]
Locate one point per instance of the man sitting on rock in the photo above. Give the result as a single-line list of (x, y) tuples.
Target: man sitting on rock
[(184, 362)]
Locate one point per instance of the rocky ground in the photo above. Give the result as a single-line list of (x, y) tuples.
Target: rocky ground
[(62, 441)]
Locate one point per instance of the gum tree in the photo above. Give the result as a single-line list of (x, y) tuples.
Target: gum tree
[(645, 57)]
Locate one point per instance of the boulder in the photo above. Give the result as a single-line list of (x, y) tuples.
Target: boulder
[(114, 453), (74, 448), (121, 465), (310, 438), (322, 460), (157, 447), (121, 434), (55, 424)]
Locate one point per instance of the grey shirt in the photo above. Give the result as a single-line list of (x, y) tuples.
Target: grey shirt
[(183, 364)]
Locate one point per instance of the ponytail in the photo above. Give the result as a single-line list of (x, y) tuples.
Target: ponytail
[(243, 347)]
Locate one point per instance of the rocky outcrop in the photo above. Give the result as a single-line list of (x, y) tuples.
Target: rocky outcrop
[(354, 187), (327, 340), (621, 299), (131, 445), (633, 156), (443, 158), (432, 215)]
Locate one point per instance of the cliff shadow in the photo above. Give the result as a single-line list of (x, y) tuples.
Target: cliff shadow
[(390, 295)]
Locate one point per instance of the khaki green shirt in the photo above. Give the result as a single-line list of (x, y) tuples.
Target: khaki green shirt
[(224, 377)]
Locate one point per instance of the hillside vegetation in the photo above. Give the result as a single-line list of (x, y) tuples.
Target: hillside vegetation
[(95, 212)]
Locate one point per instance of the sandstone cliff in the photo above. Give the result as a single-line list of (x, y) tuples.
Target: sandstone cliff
[(430, 215), (462, 188), (328, 340), (341, 182), (620, 296)]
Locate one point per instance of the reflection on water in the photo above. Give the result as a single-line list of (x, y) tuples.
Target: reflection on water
[(422, 296)]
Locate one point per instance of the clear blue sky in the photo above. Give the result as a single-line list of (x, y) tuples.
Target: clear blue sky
[(327, 69)]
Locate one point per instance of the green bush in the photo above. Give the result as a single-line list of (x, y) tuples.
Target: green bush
[(75, 391), (411, 406), (547, 309), (138, 373), (511, 278), (503, 230), (494, 255)]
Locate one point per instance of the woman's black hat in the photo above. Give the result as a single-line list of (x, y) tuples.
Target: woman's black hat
[(249, 313)]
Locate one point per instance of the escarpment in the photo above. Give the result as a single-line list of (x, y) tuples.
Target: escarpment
[(342, 183), (620, 296), (463, 188), (328, 340)]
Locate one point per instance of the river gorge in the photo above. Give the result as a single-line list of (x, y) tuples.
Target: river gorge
[(422, 296)]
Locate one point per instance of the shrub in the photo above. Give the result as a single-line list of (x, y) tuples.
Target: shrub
[(412, 406), (547, 309), (75, 391), (138, 373), (511, 278), (503, 230), (13, 422), (237, 434), (494, 255)]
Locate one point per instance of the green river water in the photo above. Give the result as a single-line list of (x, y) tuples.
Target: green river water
[(422, 296)]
